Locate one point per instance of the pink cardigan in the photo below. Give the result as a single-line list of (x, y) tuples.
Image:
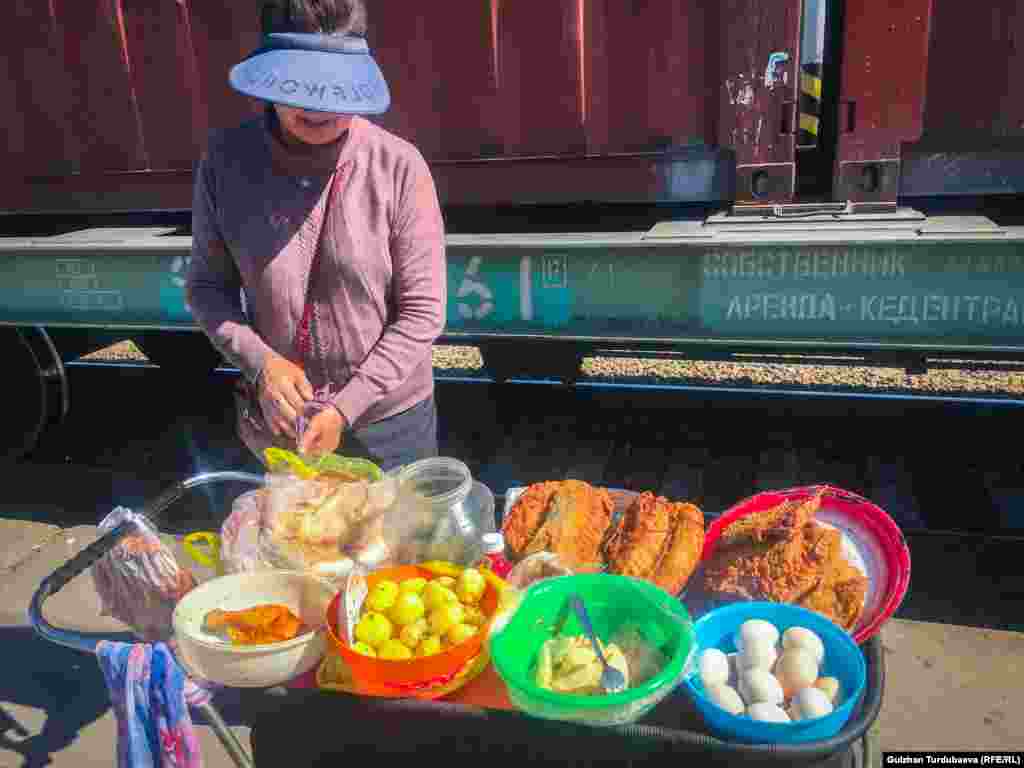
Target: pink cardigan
[(381, 287)]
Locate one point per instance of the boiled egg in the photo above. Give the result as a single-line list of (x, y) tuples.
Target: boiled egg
[(714, 668), (725, 697), (767, 713), (809, 703), (755, 630), (801, 637), (796, 669), (760, 686), (758, 653), (830, 687)]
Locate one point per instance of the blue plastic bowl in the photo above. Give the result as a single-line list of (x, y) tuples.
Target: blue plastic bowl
[(843, 661)]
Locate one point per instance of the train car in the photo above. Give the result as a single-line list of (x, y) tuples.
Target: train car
[(712, 176)]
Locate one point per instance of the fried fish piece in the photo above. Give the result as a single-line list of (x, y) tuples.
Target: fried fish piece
[(636, 546), (683, 550), (527, 516), (577, 519), (771, 525), (657, 540)]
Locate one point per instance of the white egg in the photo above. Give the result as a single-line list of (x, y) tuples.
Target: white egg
[(757, 654), (801, 637), (830, 687), (767, 713), (760, 685), (809, 703), (796, 669), (725, 697), (755, 629), (714, 668)]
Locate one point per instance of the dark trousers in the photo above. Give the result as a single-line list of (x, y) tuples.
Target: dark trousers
[(397, 440)]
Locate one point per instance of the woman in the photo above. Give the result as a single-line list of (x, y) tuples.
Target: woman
[(331, 228)]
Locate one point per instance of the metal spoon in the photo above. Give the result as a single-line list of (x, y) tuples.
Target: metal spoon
[(612, 680)]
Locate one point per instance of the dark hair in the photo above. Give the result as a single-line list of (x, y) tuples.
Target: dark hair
[(328, 17)]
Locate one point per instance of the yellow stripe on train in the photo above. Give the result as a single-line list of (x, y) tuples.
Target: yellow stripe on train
[(809, 123), (810, 85)]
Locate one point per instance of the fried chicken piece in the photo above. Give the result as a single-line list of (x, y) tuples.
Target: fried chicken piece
[(255, 626), (780, 572), (771, 525), (657, 540), (578, 517), (527, 516), (839, 595)]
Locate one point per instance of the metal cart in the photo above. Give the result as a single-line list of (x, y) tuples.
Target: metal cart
[(154, 512)]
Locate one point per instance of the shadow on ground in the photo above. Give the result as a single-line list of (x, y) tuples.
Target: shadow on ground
[(68, 687)]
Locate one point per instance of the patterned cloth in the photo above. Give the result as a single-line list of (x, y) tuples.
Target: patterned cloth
[(150, 695)]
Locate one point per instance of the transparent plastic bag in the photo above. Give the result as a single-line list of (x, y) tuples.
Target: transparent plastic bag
[(323, 525), (239, 536), (139, 581), (536, 567), (545, 565)]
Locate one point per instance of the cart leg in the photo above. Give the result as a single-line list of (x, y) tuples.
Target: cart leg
[(227, 736), (36, 382)]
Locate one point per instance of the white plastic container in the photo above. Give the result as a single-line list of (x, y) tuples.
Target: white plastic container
[(209, 657)]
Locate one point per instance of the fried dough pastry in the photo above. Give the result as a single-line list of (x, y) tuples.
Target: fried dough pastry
[(658, 541), (577, 519)]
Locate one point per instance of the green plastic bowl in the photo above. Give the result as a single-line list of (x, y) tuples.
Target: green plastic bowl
[(612, 602)]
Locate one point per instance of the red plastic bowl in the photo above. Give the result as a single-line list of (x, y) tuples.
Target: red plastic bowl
[(870, 538)]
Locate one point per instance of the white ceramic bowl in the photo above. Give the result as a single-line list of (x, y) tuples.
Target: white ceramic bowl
[(207, 656)]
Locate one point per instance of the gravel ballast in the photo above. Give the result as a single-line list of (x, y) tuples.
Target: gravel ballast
[(451, 360)]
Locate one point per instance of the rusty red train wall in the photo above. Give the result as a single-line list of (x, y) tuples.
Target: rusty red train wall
[(133, 86), (882, 93), (975, 71), (110, 101)]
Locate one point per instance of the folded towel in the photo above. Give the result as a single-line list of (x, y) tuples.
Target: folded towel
[(150, 695)]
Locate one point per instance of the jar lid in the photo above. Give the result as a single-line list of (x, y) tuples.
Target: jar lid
[(493, 543)]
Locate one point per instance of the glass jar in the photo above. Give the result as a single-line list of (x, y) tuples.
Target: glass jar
[(446, 511)]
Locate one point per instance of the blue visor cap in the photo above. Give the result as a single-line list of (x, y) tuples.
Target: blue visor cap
[(322, 73)]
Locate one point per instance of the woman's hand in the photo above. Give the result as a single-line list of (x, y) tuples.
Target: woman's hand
[(323, 435), (283, 391)]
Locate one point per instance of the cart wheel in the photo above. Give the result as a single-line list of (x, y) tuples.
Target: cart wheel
[(39, 387)]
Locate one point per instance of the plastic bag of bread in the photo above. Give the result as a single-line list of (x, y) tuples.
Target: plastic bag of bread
[(139, 581), (325, 523)]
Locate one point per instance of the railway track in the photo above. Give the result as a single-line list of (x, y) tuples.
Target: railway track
[(939, 467)]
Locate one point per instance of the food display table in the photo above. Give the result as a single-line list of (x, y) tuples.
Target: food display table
[(478, 722), (308, 727)]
